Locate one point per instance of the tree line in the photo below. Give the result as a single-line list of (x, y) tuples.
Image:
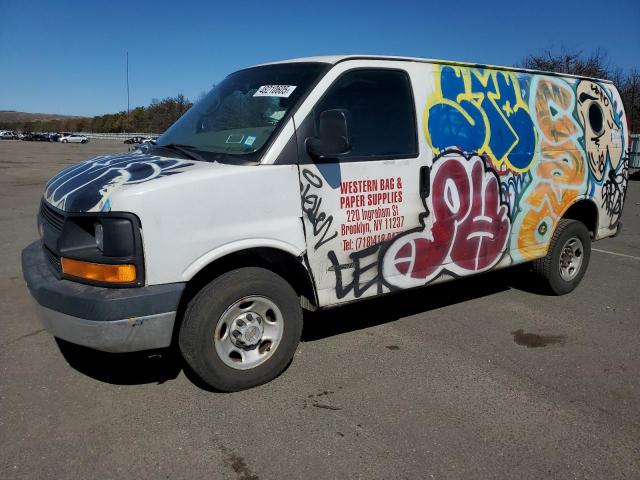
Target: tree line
[(155, 118)]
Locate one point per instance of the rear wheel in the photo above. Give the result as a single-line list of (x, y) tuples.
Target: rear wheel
[(567, 259), (242, 329)]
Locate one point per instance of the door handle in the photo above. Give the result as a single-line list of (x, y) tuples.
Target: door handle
[(425, 181)]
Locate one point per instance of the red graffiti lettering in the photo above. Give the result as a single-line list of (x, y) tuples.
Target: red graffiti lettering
[(468, 226)]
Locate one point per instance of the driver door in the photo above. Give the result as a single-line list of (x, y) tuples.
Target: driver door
[(355, 203)]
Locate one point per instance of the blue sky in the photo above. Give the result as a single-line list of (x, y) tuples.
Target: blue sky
[(69, 57)]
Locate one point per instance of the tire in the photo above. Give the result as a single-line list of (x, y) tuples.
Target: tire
[(64, 141), (561, 278), (209, 337)]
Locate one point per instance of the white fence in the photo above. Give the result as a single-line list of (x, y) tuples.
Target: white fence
[(119, 136)]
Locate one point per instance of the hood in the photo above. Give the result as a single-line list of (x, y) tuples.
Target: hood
[(88, 186)]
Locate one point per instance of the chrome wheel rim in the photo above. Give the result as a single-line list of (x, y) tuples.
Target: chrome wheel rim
[(571, 256), (248, 332)]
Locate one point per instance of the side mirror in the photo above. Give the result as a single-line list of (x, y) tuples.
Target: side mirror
[(333, 140)]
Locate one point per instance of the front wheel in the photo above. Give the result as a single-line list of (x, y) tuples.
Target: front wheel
[(64, 141), (242, 329), (567, 259)]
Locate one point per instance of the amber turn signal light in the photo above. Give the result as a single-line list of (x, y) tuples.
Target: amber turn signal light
[(99, 272)]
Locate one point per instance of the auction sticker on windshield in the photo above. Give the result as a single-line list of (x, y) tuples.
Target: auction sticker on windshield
[(275, 91)]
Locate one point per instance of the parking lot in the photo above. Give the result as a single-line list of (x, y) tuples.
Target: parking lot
[(480, 378)]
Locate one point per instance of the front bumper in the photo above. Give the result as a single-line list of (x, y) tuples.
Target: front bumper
[(107, 319)]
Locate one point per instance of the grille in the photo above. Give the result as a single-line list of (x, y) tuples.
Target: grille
[(52, 218), (53, 260)]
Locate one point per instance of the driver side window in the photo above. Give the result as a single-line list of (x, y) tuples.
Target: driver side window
[(381, 113)]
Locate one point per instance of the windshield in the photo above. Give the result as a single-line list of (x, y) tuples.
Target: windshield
[(239, 116)]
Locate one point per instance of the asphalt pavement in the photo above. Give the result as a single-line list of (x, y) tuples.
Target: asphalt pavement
[(479, 378)]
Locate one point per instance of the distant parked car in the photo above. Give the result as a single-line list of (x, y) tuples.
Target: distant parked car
[(74, 138), (8, 135), (39, 137), (61, 135), (134, 140), (33, 137)]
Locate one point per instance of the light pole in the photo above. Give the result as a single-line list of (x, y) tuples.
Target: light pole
[(127, 125)]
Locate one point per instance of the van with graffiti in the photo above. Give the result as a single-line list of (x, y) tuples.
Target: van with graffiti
[(315, 182)]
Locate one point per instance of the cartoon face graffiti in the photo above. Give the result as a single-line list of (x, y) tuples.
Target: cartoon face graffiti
[(602, 135)]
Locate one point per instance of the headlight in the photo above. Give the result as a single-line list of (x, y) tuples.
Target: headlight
[(109, 236), (101, 249)]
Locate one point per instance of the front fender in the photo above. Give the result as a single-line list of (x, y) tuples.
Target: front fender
[(191, 219), (233, 247)]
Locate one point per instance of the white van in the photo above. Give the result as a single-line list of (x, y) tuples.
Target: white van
[(314, 182)]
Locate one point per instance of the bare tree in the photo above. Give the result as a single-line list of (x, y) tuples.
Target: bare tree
[(630, 92), (595, 64)]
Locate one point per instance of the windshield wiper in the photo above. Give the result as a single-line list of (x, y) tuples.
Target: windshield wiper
[(186, 150)]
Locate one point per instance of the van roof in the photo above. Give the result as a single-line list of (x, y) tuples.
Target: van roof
[(333, 59)]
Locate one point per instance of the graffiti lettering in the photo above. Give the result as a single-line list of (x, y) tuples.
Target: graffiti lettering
[(464, 229), (467, 229), (311, 205), (513, 187), (560, 175), (513, 153), (613, 192), (481, 111), (367, 272)]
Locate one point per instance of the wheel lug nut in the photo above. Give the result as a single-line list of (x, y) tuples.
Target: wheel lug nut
[(249, 317), (235, 333), (241, 323)]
